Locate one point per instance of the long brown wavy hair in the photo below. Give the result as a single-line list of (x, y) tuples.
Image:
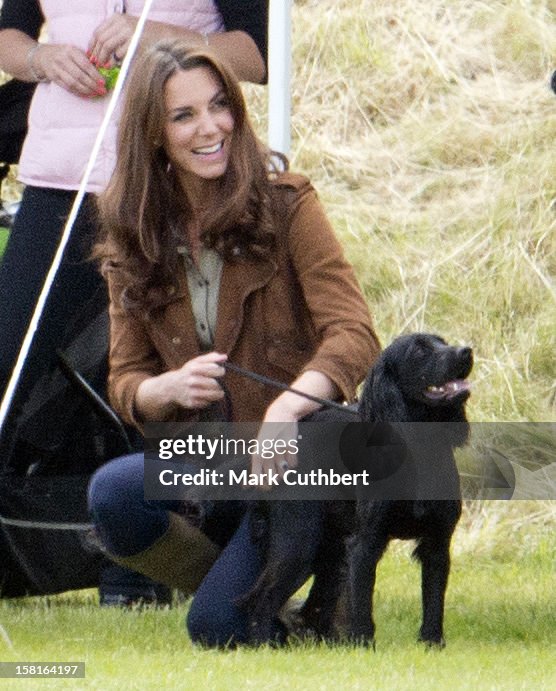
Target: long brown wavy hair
[(144, 210)]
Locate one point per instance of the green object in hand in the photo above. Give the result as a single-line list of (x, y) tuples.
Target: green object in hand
[(4, 233), (110, 75)]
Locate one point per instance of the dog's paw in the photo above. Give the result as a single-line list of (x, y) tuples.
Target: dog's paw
[(361, 640), (291, 615), (270, 633), (432, 642)]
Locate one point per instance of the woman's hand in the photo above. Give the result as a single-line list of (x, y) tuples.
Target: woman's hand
[(68, 67), (276, 439), (111, 38), (281, 422), (193, 386)]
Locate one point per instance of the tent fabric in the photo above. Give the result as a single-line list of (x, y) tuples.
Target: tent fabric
[(41, 551), (53, 439)]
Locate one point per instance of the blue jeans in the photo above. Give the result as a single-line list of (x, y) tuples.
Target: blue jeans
[(128, 524)]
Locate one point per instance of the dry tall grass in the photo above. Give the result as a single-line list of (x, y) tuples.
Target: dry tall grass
[(428, 129)]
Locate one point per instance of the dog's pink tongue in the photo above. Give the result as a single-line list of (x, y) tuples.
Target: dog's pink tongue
[(448, 389), (457, 385)]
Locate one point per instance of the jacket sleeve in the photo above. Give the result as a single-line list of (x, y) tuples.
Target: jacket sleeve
[(132, 358), (347, 341)]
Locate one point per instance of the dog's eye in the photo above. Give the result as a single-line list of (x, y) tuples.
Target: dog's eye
[(419, 350)]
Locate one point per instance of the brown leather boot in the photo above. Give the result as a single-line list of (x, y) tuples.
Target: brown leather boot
[(181, 558)]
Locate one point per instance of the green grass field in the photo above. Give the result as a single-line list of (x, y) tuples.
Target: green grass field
[(499, 626)]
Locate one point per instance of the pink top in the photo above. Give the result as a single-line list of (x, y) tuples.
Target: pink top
[(62, 126)]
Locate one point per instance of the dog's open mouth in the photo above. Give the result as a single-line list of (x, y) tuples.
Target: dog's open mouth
[(448, 390)]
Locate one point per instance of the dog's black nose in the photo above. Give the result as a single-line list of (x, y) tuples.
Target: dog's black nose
[(465, 354)]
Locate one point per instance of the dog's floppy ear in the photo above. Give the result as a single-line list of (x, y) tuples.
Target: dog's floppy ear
[(382, 399)]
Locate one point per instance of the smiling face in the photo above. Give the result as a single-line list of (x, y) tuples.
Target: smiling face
[(198, 127)]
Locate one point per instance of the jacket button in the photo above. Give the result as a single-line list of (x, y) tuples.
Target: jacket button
[(171, 290), (176, 340)]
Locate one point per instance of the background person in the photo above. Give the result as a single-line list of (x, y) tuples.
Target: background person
[(67, 110), (210, 253)]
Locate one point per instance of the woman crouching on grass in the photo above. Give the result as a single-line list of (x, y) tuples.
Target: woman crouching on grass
[(211, 253)]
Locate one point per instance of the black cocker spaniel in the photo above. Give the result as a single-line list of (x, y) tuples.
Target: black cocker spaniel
[(419, 389), (411, 416)]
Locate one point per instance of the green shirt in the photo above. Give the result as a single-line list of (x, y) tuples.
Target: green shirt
[(204, 286)]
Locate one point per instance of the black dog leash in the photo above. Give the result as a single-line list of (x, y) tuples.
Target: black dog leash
[(324, 402)]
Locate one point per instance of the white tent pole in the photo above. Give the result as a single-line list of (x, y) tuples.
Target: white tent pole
[(39, 308), (279, 75)]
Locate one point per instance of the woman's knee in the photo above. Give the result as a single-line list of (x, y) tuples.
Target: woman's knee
[(115, 485), (215, 627), (125, 523), (216, 618)]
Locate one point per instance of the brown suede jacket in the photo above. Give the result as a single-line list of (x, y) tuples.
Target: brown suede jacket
[(301, 309)]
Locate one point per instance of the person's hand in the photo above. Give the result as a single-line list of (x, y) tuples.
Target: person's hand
[(195, 385), (111, 39), (277, 441), (68, 67)]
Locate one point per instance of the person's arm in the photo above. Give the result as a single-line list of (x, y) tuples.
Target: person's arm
[(132, 356), (290, 407), (235, 46), (139, 387), (251, 18), (347, 342), (15, 49), (67, 66), (24, 58), (20, 25), (283, 414), (24, 15)]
